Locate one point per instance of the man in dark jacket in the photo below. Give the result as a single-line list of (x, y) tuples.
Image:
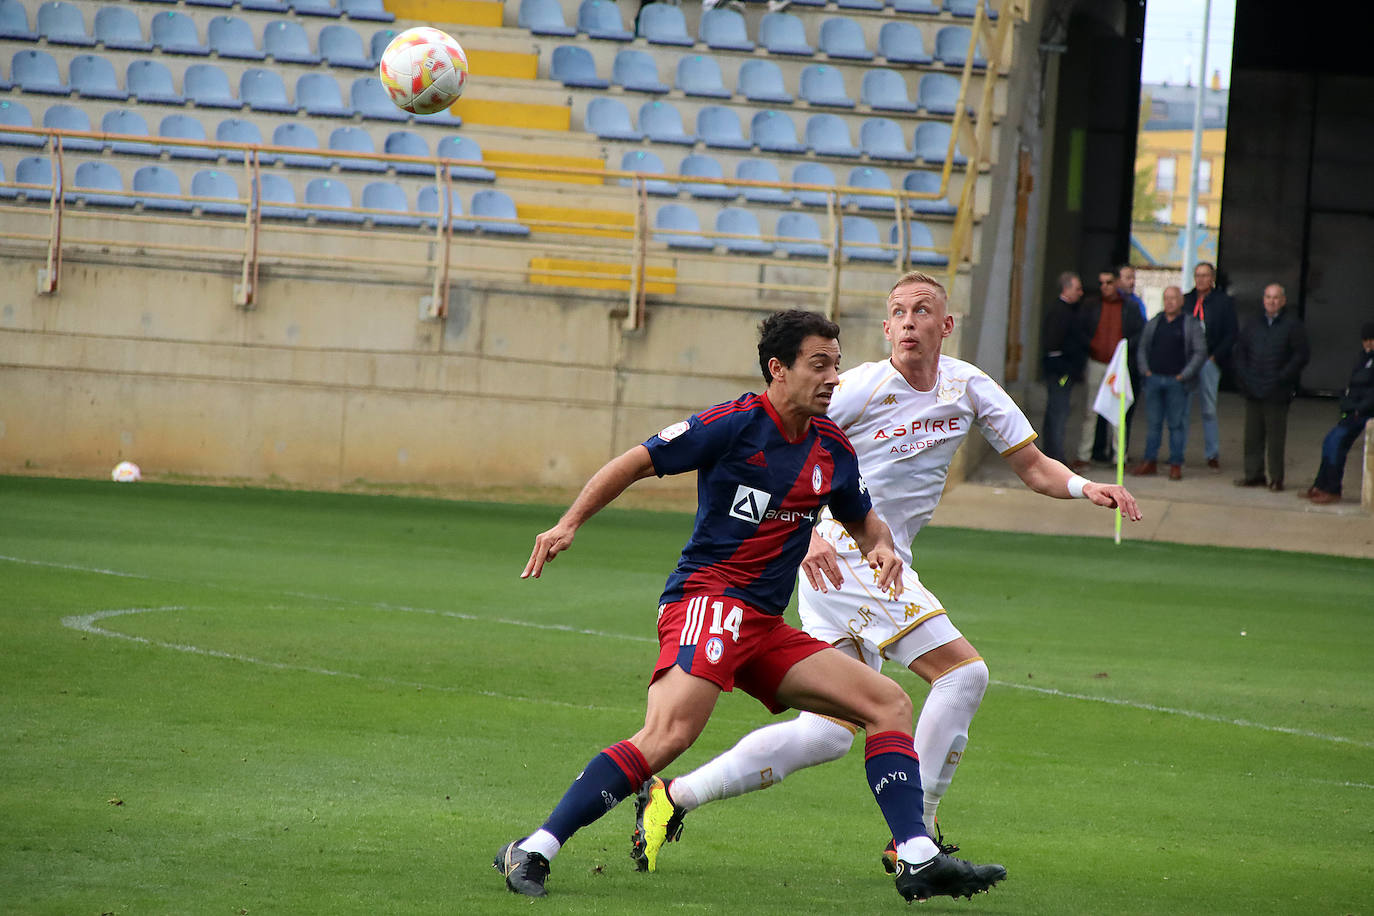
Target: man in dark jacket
[(1065, 349), (1107, 318), (1357, 405), (1269, 355), (1214, 308), (1170, 357)]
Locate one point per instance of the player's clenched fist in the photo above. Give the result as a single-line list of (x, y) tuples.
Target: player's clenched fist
[(547, 546)]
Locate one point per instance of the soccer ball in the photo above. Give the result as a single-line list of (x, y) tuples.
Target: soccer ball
[(126, 472), (423, 70)]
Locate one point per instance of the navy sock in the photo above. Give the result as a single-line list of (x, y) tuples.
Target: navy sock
[(894, 775), (609, 778)]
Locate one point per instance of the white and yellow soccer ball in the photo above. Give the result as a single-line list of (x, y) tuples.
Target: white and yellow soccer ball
[(126, 472), (423, 70)]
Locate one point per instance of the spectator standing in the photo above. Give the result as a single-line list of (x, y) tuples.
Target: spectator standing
[(1064, 345), (1125, 283), (1217, 312), (1357, 405), (1171, 353), (1106, 320), (1269, 355)]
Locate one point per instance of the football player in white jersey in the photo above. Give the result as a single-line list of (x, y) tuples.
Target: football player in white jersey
[(906, 416)]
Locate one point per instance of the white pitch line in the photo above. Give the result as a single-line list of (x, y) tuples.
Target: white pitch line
[(89, 569)]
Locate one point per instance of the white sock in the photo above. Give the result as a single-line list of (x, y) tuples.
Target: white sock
[(942, 730), (916, 850), (542, 842), (762, 758)]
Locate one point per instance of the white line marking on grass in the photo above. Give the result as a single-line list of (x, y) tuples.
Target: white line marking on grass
[(89, 569)]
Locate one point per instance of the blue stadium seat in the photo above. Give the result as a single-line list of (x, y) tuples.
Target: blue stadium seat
[(739, 221), (93, 77), (902, 43), (489, 206), (97, 184), (14, 21), (543, 17), (932, 144), (318, 94), (918, 7), (427, 201), (807, 3), (266, 6), (574, 66), (862, 242), (117, 28), (966, 9), (175, 33), (601, 19), (354, 140), (408, 143), (663, 24), (863, 176), (636, 71), (719, 128), (36, 71), (285, 42), (380, 39), (263, 90), (828, 135), (230, 36), (843, 38), (125, 121), (824, 85), (640, 160), (369, 10), (277, 198), (761, 81), (465, 150), (812, 173), (207, 86), (784, 33), (951, 47), (859, 4), (920, 244), (342, 46), (724, 30), (927, 182), (185, 127), (151, 81), (69, 117), (801, 236), (156, 179), (699, 166), (882, 138), (388, 196), (6, 193), (938, 93), (885, 90), (369, 99), (761, 170), (35, 170), (237, 130), (699, 75), (221, 4), (220, 191), (609, 119), (15, 114), (678, 226), (297, 136), (61, 23), (662, 123), (314, 8), (322, 194), (774, 132)]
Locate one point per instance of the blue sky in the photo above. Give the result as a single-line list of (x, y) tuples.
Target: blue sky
[(1173, 38)]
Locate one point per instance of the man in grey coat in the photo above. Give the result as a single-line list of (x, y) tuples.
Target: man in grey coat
[(1173, 347), (1269, 355)]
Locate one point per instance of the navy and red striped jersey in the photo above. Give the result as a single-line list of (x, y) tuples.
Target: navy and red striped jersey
[(758, 497)]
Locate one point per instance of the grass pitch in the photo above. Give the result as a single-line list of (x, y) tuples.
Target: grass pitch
[(240, 702)]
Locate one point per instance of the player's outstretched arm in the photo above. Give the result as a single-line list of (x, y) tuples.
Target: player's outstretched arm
[(1047, 476), (875, 543), (822, 562), (605, 485)]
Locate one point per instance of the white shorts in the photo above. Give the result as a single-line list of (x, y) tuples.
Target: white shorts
[(862, 615)]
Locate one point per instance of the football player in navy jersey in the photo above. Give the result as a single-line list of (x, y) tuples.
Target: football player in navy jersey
[(767, 464)]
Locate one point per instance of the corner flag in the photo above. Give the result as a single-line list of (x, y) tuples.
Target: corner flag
[(1114, 395)]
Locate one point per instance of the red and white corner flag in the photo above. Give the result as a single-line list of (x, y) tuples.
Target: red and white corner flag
[(1114, 395)]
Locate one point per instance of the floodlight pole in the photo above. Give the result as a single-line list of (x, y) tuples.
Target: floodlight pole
[(1190, 217)]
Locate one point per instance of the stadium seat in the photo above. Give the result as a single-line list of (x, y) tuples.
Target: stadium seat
[(387, 195), (263, 90), (466, 150), (699, 75), (885, 90), (230, 36), (427, 201), (662, 123), (543, 17), (807, 3), (801, 236), (663, 24), (862, 242), (207, 86), (719, 128), (928, 182), (297, 136), (761, 170), (156, 179), (812, 173), (131, 123), (36, 71), (61, 23), (739, 221), (920, 244), (967, 9), (828, 135), (699, 166), (220, 191), (185, 127), (14, 22), (859, 4), (761, 81), (222, 4), (678, 226), (369, 99), (35, 170), (489, 206), (774, 132), (97, 184), (918, 7), (408, 143), (369, 10), (784, 33), (951, 47), (938, 93), (318, 94), (636, 71), (601, 19), (863, 176), (882, 138), (285, 42), (6, 193), (117, 28), (236, 130), (609, 119), (932, 144), (380, 39), (902, 43), (314, 8), (151, 81), (574, 66), (175, 33), (823, 85), (354, 140), (15, 114), (266, 6), (324, 194), (724, 30), (843, 38), (639, 160), (69, 117), (277, 198), (93, 77)]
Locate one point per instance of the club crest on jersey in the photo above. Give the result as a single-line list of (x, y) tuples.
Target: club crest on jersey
[(669, 433), (816, 478), (950, 390), (714, 649), (749, 504)]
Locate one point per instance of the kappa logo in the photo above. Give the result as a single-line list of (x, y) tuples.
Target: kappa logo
[(758, 460), (889, 400), (749, 504)]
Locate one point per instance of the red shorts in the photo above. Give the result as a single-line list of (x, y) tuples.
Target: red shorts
[(725, 641)]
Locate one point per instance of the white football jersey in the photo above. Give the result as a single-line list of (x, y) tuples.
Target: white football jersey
[(906, 438)]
